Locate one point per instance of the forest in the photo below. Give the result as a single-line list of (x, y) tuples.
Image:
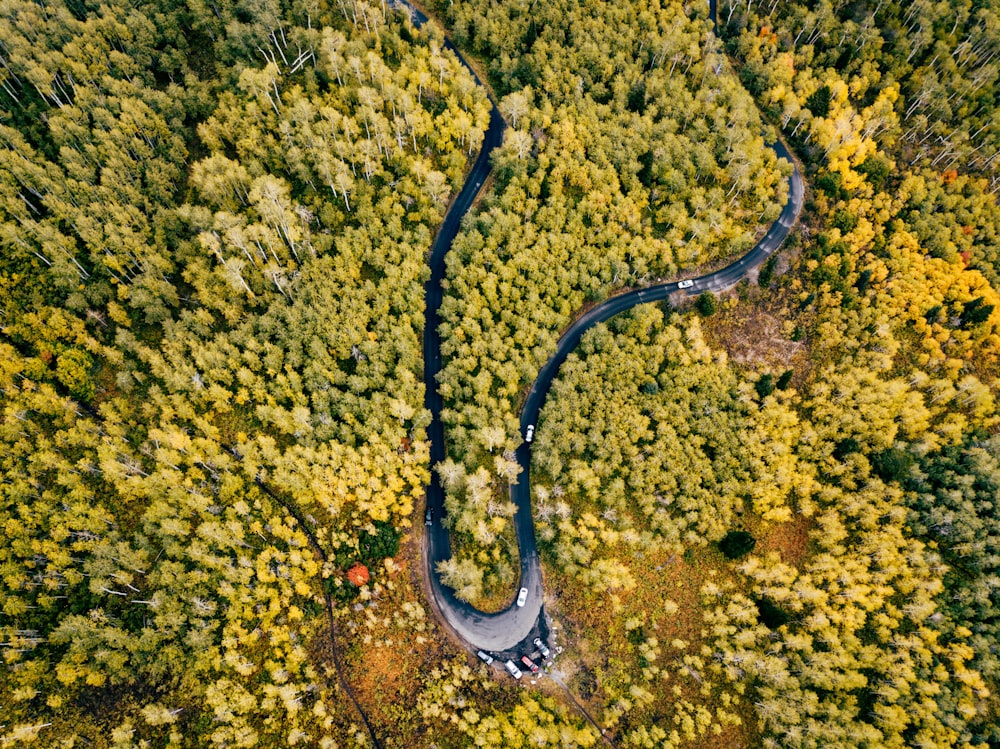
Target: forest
[(766, 517), (214, 223), (653, 162)]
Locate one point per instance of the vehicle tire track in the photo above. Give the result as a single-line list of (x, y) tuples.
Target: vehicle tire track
[(334, 646)]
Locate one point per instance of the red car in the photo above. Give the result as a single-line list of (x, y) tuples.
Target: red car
[(529, 663)]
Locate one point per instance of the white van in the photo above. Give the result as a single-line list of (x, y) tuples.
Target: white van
[(512, 669)]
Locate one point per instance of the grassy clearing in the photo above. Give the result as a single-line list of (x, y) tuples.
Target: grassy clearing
[(641, 657), (413, 681), (391, 643), (754, 337), (790, 540)]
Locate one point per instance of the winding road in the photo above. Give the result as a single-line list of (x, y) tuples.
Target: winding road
[(504, 631)]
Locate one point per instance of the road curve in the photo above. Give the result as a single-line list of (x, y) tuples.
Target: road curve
[(487, 631), (505, 630)]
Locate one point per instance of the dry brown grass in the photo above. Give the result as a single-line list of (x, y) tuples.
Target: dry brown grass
[(753, 335), (791, 540), (595, 633), (387, 658), (392, 653), (598, 652)]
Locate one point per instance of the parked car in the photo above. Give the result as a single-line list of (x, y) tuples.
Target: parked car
[(546, 653), (529, 433), (512, 669), (685, 284), (485, 657), (522, 596), (529, 664)]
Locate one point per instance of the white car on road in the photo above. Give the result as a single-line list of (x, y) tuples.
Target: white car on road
[(529, 433), (685, 284), (512, 669), (522, 596)]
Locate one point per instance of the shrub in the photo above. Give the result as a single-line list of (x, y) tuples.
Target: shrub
[(765, 385), (736, 544), (706, 304)]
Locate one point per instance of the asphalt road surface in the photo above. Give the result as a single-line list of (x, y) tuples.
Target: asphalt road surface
[(505, 630)]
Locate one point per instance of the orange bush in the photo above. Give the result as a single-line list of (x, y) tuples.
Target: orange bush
[(358, 574)]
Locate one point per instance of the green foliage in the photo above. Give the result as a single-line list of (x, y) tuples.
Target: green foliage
[(953, 502), (830, 183), (845, 221), (845, 447), (764, 385), (876, 169), (864, 279), (618, 469), (975, 312), (736, 544), (383, 543), (212, 282), (819, 102), (706, 304), (766, 274), (771, 616), (892, 464)]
